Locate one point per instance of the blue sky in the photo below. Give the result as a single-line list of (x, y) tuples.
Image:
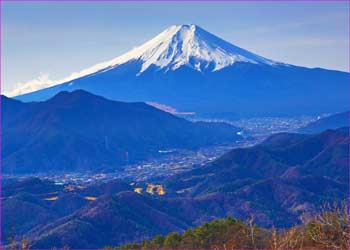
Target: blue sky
[(44, 42)]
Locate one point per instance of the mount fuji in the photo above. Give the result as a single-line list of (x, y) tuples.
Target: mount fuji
[(194, 71)]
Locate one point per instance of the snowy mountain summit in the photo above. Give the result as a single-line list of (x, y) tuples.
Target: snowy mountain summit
[(188, 45), (192, 46)]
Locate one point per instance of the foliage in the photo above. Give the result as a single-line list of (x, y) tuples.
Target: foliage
[(17, 243), (327, 230), (330, 229)]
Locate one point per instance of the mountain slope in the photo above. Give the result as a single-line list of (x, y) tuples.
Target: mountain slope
[(277, 181), (81, 131), (192, 70), (113, 218), (25, 204), (281, 155), (330, 122)]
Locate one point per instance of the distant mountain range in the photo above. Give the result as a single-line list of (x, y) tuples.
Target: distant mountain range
[(188, 69), (278, 181), (330, 122), (76, 131)]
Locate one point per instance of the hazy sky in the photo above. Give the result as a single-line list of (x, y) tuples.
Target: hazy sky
[(44, 42)]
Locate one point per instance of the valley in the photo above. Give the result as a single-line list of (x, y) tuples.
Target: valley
[(276, 181), (173, 161)]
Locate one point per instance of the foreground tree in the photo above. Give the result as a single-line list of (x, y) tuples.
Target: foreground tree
[(331, 228)]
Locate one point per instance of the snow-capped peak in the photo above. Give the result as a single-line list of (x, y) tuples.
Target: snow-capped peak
[(191, 45), (186, 45), (176, 46)]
